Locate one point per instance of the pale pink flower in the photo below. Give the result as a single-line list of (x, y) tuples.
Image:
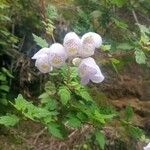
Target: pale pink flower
[(42, 63), (92, 38), (89, 70), (147, 147), (57, 55), (90, 41), (41, 52), (72, 44)]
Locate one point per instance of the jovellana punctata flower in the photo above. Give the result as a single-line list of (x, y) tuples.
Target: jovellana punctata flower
[(89, 70), (41, 52), (57, 55), (90, 41), (92, 38), (42, 63), (147, 147), (72, 44)]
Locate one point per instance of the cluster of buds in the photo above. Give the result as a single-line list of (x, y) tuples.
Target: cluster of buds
[(74, 48)]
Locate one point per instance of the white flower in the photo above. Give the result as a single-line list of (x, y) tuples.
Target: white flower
[(147, 147), (87, 50), (89, 70), (57, 55), (92, 38), (41, 52), (42, 63), (72, 44)]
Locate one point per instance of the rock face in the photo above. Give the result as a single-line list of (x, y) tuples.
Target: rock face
[(132, 80)]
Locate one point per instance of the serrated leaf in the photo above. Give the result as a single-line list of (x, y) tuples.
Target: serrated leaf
[(64, 94), (105, 47), (9, 120), (140, 57), (128, 113), (84, 94), (100, 138), (118, 3), (124, 46), (135, 132), (4, 88), (73, 121), (7, 72), (55, 130), (41, 42), (2, 77)]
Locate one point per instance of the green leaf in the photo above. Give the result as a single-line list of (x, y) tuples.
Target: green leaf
[(84, 94), (118, 3), (124, 46), (64, 94), (2, 77), (9, 120), (120, 23), (105, 47), (128, 113), (41, 42), (140, 57), (135, 132), (55, 130), (100, 138), (7, 72), (73, 121), (4, 88)]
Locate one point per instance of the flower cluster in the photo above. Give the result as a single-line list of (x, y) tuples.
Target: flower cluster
[(147, 147), (78, 49)]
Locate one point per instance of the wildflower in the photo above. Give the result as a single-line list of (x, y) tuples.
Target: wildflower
[(147, 147), (41, 52), (57, 55), (72, 44), (42, 63), (92, 38), (90, 41), (89, 70)]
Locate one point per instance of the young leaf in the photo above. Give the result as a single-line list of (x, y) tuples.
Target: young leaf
[(140, 57), (64, 94), (55, 130), (9, 120), (100, 138), (73, 121), (4, 88), (41, 42), (128, 113)]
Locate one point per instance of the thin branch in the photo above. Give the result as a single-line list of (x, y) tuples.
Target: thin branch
[(135, 16), (39, 134)]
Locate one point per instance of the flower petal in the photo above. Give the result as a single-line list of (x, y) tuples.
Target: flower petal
[(98, 77), (89, 70), (87, 50), (40, 52), (42, 63), (92, 38), (57, 55), (147, 147), (72, 44)]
